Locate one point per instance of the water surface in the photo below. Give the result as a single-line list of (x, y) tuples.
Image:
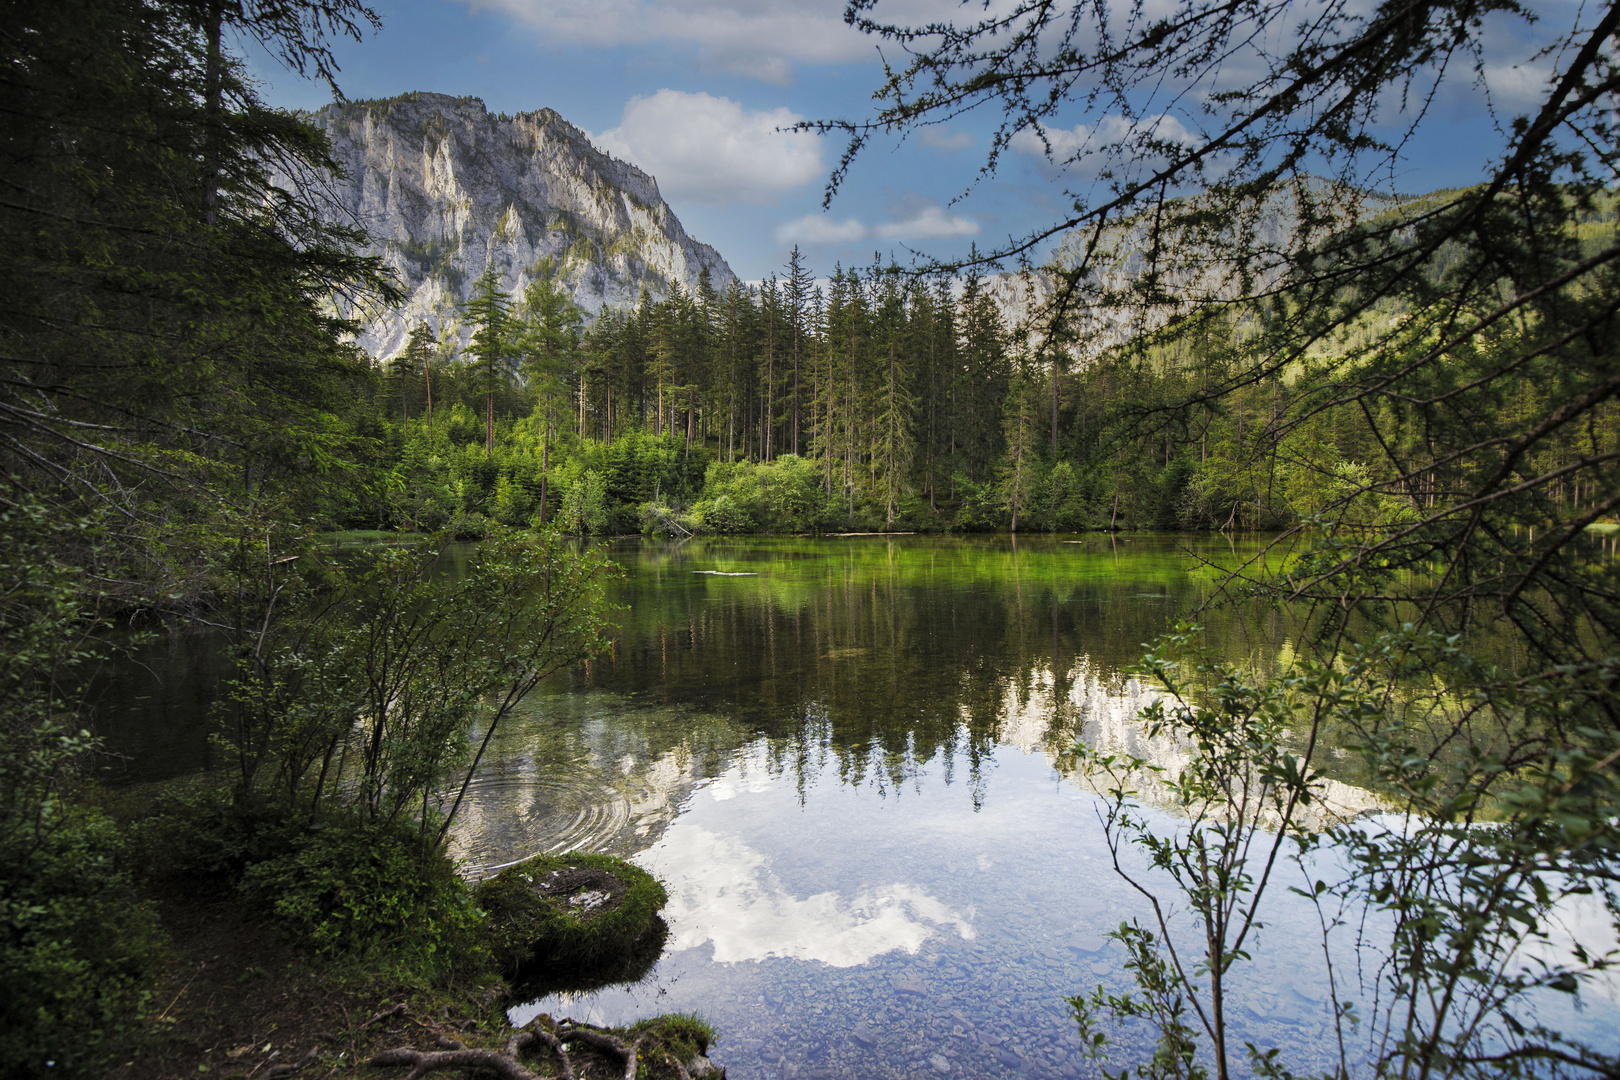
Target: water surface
[(849, 759)]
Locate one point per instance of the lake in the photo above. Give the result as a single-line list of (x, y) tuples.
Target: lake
[(849, 760)]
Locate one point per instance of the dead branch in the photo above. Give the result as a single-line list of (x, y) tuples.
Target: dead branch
[(311, 1056), (398, 1010), (505, 1062)]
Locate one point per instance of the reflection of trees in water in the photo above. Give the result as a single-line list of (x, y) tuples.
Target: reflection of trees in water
[(881, 656)]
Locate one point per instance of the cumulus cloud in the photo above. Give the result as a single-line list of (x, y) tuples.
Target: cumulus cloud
[(926, 223), (930, 223), (712, 150), (759, 38), (821, 229)]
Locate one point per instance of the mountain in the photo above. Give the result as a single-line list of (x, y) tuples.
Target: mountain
[(445, 188), (1198, 271)]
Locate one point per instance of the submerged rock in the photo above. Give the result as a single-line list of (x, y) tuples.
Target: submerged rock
[(577, 920)]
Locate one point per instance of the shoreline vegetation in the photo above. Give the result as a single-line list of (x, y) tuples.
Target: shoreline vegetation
[(1431, 391)]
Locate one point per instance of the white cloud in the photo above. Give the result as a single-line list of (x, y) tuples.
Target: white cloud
[(759, 38), (927, 223), (712, 150), (1066, 143), (939, 139), (821, 229), (930, 223)]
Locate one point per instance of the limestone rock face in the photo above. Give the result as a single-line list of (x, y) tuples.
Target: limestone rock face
[(1121, 259), (445, 188)]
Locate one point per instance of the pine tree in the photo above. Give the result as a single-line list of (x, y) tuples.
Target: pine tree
[(796, 289), (489, 309), (165, 320), (548, 341), (419, 353), (981, 383), (893, 441)]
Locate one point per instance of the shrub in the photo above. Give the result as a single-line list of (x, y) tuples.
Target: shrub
[(723, 515), (346, 887), (200, 835), (75, 946)]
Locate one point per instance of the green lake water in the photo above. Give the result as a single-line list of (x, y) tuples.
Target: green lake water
[(849, 761), (848, 758)]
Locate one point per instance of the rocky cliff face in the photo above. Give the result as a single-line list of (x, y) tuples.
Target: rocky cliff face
[(445, 188), (1199, 274)]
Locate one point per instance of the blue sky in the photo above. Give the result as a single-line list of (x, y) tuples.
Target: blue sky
[(694, 90)]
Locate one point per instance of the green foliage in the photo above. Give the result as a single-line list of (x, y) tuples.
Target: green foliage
[(76, 944), (584, 508), (360, 698), (723, 516), (788, 493), (75, 941), (555, 911), (350, 887), (206, 839)]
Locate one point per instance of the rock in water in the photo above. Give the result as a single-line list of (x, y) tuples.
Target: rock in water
[(445, 188)]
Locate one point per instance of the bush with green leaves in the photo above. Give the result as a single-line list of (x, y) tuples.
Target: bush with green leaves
[(75, 942), (356, 697), (76, 945), (723, 515), (354, 887)]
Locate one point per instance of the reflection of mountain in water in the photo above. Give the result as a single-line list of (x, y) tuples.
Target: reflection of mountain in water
[(591, 772), (599, 772), (1045, 713)]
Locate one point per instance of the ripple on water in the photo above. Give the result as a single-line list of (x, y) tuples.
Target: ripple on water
[(506, 819)]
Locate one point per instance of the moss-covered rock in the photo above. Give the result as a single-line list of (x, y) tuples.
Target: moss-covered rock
[(588, 914)]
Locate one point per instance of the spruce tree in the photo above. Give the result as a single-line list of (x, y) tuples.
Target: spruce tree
[(489, 309)]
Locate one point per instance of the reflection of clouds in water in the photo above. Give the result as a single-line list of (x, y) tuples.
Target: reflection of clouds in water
[(1576, 922), (722, 891), (737, 781)]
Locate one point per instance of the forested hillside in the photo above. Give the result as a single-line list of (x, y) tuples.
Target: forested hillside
[(878, 400)]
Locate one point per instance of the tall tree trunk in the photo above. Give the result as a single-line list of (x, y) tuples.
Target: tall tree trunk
[(545, 468), (1054, 408), (214, 91)]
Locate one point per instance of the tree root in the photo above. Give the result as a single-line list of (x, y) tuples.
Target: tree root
[(311, 1056), (506, 1064), (398, 1010)]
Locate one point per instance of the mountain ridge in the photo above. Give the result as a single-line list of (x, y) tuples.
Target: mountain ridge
[(446, 188)]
